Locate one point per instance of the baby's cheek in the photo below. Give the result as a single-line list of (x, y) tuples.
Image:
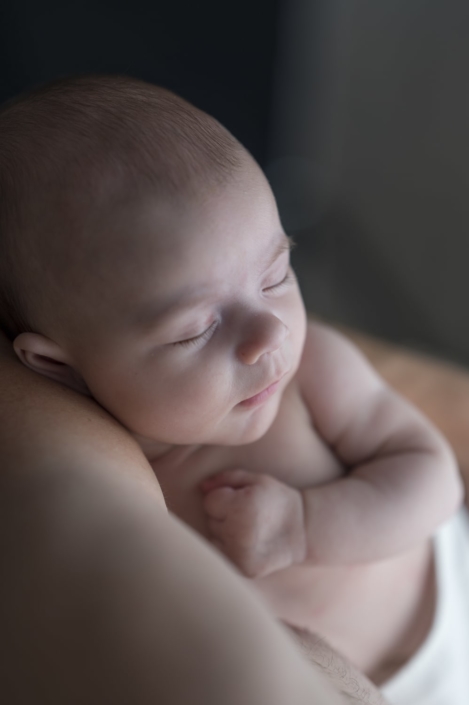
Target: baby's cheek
[(192, 405)]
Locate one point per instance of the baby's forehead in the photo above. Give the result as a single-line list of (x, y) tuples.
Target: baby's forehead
[(158, 262)]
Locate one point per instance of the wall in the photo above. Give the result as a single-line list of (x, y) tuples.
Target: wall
[(382, 164)]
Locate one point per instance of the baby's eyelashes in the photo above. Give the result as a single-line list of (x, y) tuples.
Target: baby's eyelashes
[(287, 279), (198, 340)]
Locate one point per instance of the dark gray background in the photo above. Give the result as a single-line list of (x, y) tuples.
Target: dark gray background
[(385, 150)]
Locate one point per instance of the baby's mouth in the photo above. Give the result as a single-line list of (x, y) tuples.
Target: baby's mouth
[(263, 395)]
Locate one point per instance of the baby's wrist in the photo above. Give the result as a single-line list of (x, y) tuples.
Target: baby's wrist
[(300, 539)]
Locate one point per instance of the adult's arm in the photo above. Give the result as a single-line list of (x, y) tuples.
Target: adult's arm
[(354, 685), (104, 597)]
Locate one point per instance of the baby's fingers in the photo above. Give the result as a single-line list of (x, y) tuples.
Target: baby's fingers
[(236, 479), (218, 502)]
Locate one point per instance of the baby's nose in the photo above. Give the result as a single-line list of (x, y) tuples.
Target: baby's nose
[(265, 333)]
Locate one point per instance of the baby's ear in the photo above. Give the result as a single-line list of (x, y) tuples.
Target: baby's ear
[(42, 355)]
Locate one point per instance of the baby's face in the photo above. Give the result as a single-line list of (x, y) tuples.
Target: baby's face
[(197, 323)]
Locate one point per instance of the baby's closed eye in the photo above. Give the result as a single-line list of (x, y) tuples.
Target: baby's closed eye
[(200, 338), (287, 279)]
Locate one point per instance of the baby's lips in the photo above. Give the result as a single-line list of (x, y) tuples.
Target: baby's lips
[(228, 478), (211, 482)]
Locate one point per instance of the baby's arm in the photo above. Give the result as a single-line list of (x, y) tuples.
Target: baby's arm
[(402, 479)]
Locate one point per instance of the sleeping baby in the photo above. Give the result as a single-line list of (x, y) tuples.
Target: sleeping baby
[(144, 264)]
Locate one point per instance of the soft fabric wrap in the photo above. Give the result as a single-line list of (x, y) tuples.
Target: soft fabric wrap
[(438, 673)]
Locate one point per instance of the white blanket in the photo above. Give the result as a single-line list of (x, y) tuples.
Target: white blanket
[(438, 674)]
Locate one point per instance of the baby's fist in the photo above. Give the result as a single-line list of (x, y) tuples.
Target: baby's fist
[(257, 521)]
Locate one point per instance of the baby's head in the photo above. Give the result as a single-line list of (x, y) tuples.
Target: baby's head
[(143, 261)]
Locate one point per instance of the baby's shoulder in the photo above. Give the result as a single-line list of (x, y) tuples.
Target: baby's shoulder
[(325, 345), (332, 366), (338, 384)]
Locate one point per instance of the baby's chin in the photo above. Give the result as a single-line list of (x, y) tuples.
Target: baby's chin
[(234, 436), (151, 447), (240, 427), (254, 426)]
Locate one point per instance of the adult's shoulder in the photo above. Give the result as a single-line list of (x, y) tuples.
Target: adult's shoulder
[(70, 479), (45, 426), (105, 598)]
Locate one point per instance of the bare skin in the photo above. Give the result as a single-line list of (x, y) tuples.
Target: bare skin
[(275, 440), (440, 389), (78, 423), (400, 474), (100, 576), (72, 423), (339, 600), (327, 484)]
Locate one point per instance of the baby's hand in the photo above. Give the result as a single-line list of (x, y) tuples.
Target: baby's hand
[(255, 520)]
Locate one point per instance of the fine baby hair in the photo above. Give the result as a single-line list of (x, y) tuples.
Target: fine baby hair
[(78, 145)]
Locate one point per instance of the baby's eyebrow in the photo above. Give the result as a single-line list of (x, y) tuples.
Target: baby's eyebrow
[(189, 299), (286, 245)]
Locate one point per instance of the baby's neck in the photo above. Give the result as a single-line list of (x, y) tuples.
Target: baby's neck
[(156, 451), (153, 450)]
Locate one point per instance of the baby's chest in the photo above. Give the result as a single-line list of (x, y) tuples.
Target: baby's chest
[(291, 451)]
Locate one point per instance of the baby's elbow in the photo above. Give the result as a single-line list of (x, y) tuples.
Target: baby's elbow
[(459, 494), (454, 492)]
